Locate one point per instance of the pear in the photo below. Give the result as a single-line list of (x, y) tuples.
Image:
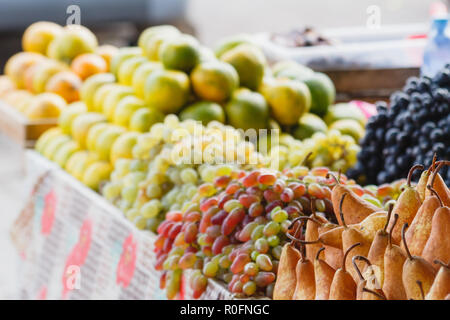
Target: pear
[(362, 292), (378, 248), (343, 287), (286, 277), (416, 269), (312, 233), (355, 209), (421, 186), (324, 274), (438, 246), (441, 285), (333, 256), (394, 259), (439, 185), (406, 206), (351, 235), (306, 283), (420, 229)]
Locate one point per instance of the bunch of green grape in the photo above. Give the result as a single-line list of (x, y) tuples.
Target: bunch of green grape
[(170, 161), (331, 149)]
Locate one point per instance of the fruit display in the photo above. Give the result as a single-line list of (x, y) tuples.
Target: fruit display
[(398, 254), (414, 127), (40, 81), (233, 229)]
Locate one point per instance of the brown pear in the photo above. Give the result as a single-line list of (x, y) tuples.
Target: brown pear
[(312, 233), (394, 259), (441, 285), (351, 235), (286, 277), (324, 274), (416, 269), (355, 209), (438, 184), (305, 288), (421, 186), (438, 243), (378, 248), (343, 287), (333, 256), (420, 229), (407, 205)]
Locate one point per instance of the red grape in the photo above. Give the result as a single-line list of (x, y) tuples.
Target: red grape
[(219, 243), (239, 263), (256, 209), (232, 219)]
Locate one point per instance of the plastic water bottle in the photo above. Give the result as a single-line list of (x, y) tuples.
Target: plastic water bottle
[(437, 51)]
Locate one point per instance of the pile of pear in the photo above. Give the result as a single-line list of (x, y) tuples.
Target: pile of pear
[(401, 254)]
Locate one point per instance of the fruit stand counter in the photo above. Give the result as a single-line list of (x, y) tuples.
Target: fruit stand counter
[(75, 245), (19, 128)]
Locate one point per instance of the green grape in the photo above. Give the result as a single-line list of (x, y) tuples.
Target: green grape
[(153, 190), (210, 269), (258, 232), (249, 288), (138, 165), (272, 228), (133, 178), (276, 252), (152, 224), (273, 241), (129, 193), (112, 190), (254, 255), (208, 174), (140, 222), (151, 208), (279, 215), (131, 214), (122, 166), (224, 170), (188, 175), (232, 204), (225, 262), (262, 245)]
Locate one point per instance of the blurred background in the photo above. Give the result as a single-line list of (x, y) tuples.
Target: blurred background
[(119, 22)]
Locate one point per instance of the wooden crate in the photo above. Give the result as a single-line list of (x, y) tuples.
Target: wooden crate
[(370, 85), (19, 128)]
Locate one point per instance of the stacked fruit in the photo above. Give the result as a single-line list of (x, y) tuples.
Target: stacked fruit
[(49, 73), (414, 127), (233, 229), (168, 164), (397, 255)]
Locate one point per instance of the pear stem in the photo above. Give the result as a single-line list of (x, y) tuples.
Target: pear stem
[(437, 261), (357, 269), (440, 164), (391, 207), (411, 171), (392, 228), (346, 254), (419, 283), (337, 180), (340, 210), (436, 194), (433, 163), (318, 252), (306, 158), (374, 293), (408, 253), (303, 218)]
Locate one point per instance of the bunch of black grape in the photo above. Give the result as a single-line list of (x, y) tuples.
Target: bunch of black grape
[(414, 127)]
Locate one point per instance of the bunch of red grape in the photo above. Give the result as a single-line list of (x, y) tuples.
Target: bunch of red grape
[(235, 232)]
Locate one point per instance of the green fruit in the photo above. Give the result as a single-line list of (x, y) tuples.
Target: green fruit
[(151, 31), (229, 43), (249, 62), (291, 70), (344, 111), (308, 125), (203, 111), (69, 114), (349, 127), (167, 90), (288, 99), (122, 55), (143, 119), (322, 91), (247, 110), (180, 53)]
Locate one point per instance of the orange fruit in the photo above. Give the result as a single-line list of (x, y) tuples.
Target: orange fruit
[(65, 83), (107, 52), (17, 65), (88, 64)]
